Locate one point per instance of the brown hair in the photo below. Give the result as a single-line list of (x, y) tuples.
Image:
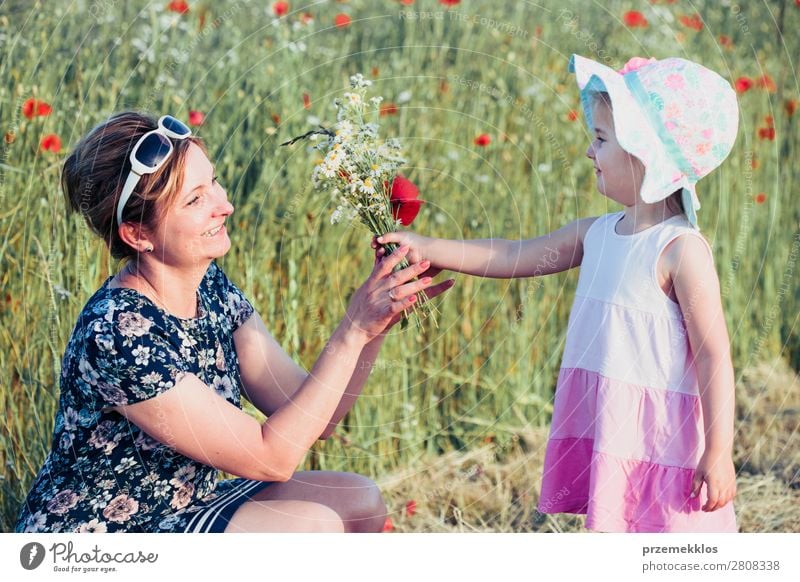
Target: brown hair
[(96, 169)]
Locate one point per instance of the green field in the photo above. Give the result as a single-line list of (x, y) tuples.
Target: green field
[(486, 375)]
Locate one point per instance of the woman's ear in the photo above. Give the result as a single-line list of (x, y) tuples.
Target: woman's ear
[(136, 236)]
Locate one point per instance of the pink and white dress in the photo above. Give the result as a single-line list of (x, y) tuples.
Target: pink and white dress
[(627, 429)]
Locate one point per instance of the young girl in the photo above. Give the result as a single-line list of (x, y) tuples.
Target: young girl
[(642, 429)]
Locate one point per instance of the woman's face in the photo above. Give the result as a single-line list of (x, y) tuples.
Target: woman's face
[(192, 232), (619, 174)]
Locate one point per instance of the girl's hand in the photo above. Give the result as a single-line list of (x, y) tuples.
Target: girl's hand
[(716, 470), (378, 303), (416, 244)]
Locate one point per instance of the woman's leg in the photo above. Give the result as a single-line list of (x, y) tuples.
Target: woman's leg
[(355, 499), (284, 517)]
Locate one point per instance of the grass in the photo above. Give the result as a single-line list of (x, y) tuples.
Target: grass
[(488, 372)]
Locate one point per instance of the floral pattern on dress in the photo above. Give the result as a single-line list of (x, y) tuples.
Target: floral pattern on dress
[(103, 473)]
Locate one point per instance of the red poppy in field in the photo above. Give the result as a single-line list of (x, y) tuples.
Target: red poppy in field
[(342, 20), (449, 2), (766, 133), (634, 19), (725, 40), (411, 508), (572, 115), (791, 104), (306, 101), (404, 199), (761, 198), (694, 22), (388, 109), (276, 119), (306, 18), (743, 84), (410, 2), (35, 108), (765, 82), (280, 8), (50, 143), (375, 71), (388, 526), (483, 140), (179, 6), (196, 117)]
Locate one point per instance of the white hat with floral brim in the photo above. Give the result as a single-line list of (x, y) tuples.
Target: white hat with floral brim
[(677, 117)]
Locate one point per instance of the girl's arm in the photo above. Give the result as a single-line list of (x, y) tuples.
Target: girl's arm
[(697, 288), (497, 258)]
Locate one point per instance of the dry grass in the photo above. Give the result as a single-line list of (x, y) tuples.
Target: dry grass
[(495, 489)]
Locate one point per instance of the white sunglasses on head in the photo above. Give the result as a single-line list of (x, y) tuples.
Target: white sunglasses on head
[(150, 154)]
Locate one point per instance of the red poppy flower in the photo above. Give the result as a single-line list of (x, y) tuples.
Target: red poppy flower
[(35, 108), (342, 20), (483, 140), (375, 71), (765, 82), (410, 2), (306, 18), (449, 2), (276, 119), (761, 198), (694, 22), (51, 143), (280, 8), (791, 104), (404, 199), (766, 133), (743, 84), (634, 19), (179, 6), (306, 101), (572, 115), (388, 109), (769, 121), (196, 117), (411, 508), (388, 526), (725, 40)]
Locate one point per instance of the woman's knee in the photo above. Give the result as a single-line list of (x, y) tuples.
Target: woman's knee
[(365, 509)]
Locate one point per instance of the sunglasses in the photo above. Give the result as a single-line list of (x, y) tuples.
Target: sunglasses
[(150, 154)]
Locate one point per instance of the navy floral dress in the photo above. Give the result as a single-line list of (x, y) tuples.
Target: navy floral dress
[(103, 473)]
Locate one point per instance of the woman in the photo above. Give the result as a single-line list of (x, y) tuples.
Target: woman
[(150, 407)]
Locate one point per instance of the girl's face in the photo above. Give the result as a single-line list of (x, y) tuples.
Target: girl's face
[(192, 231), (619, 174)]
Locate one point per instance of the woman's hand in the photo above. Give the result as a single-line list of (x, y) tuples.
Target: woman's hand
[(380, 301), (716, 470)]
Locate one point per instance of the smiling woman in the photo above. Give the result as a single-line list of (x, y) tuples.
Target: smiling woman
[(155, 368)]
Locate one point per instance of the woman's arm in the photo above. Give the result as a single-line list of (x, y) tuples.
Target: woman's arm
[(270, 377), (497, 258), (697, 288), (197, 422)]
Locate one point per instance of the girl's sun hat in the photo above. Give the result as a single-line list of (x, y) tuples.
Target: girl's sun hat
[(677, 117)]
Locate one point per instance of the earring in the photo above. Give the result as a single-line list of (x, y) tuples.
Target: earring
[(148, 250)]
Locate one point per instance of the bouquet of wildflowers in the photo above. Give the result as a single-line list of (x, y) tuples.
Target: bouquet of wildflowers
[(361, 173)]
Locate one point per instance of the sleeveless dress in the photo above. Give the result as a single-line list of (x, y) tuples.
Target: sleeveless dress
[(103, 473), (627, 429)]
